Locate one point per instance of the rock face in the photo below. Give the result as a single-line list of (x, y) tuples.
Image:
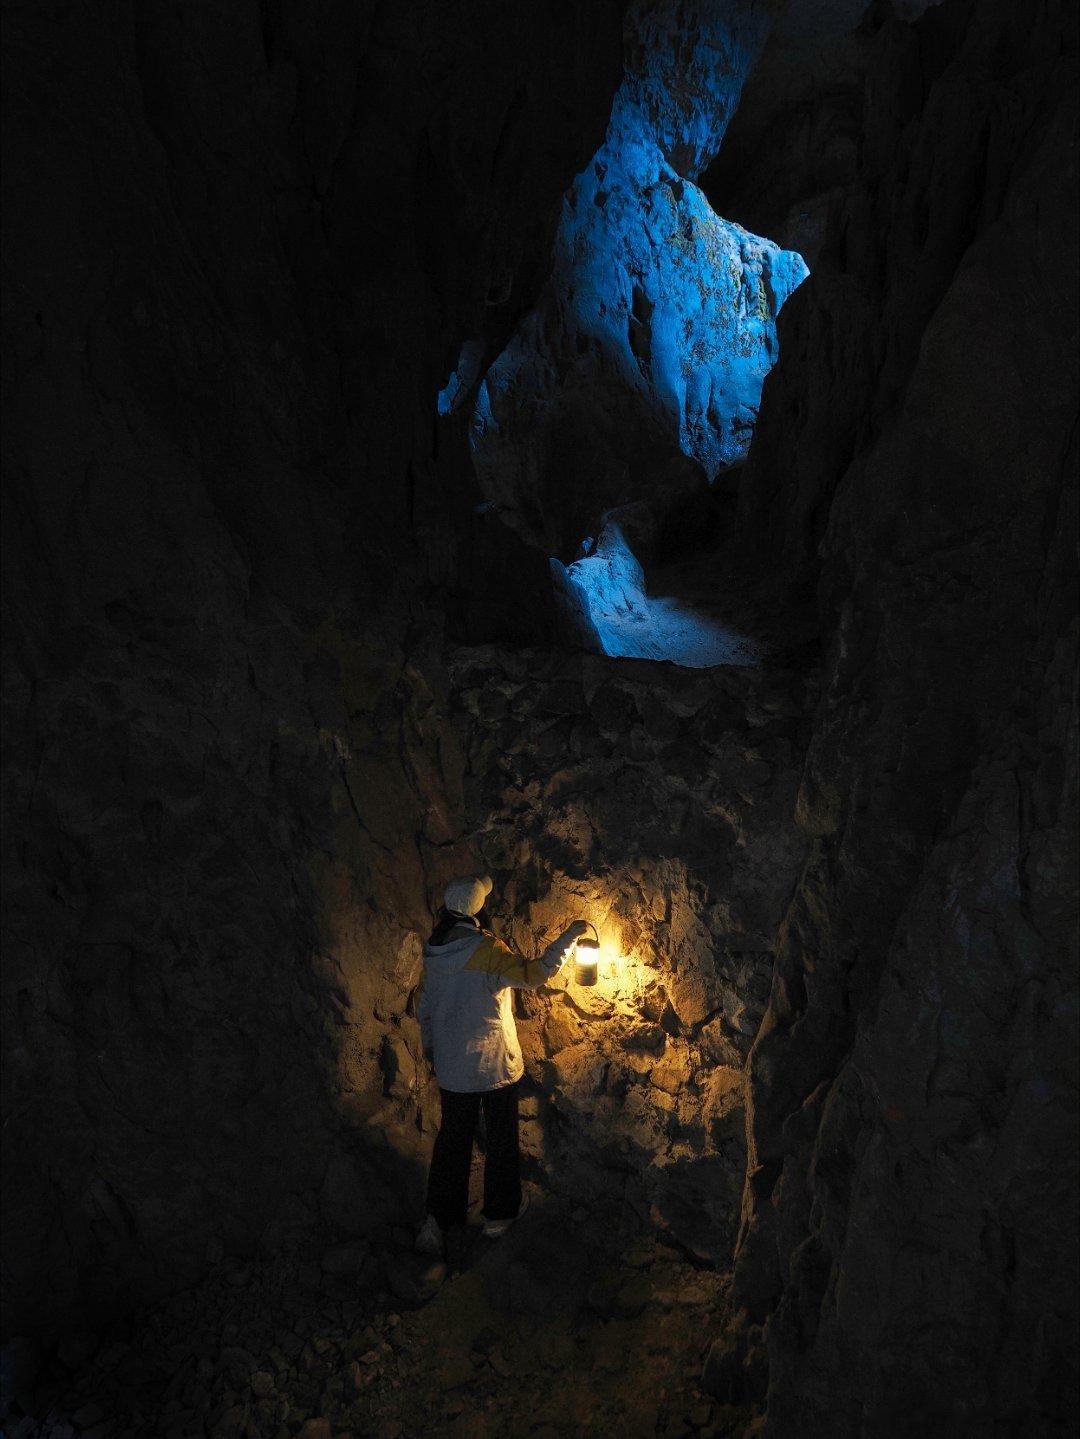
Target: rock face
[(658, 804), (227, 789), (607, 608), (905, 1225), (657, 326)]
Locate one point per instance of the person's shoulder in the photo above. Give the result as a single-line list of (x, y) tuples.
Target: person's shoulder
[(455, 940), (489, 952)]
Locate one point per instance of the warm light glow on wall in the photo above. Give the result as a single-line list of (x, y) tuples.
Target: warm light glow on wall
[(610, 958), (617, 973)]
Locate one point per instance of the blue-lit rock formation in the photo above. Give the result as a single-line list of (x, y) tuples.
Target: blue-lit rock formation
[(658, 325), (610, 611)]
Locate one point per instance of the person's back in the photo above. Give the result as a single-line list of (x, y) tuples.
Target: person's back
[(467, 1007)]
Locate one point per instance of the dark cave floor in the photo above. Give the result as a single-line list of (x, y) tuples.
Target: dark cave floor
[(569, 1325)]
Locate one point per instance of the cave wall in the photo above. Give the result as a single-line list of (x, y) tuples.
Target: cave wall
[(242, 246), (657, 803), (908, 1232)]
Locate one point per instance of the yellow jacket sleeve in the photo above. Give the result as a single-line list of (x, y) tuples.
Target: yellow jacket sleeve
[(514, 971)]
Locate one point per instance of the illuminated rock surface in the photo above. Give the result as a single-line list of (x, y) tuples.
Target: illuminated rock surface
[(612, 612), (657, 326), (659, 805)]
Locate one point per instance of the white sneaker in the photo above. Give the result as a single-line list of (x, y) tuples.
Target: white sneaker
[(494, 1227), (430, 1238)]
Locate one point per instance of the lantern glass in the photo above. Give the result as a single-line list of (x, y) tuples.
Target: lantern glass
[(587, 962), (586, 971)]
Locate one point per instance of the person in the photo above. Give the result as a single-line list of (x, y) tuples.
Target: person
[(465, 1009)]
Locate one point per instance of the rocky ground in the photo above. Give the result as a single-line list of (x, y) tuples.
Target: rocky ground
[(575, 1323)]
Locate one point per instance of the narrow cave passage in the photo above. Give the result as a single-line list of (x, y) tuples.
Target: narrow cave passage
[(657, 804), (654, 800)]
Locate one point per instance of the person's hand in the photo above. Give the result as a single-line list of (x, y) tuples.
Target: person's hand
[(579, 928)]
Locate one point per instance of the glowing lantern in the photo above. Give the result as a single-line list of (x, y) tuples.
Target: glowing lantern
[(587, 965)]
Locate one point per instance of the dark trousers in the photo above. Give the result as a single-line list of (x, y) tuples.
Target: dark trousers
[(451, 1160)]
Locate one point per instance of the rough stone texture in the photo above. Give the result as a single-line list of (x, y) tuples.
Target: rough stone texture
[(572, 1324), (657, 325), (605, 599), (242, 243), (657, 803), (793, 144), (907, 1228)]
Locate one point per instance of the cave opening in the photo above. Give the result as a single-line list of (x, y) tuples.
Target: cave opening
[(610, 428)]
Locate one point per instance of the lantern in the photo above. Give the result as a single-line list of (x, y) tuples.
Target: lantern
[(587, 963)]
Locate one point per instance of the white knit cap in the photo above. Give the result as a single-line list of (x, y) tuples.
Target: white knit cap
[(467, 895)]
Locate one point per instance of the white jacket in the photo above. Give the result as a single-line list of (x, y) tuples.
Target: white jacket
[(465, 1006)]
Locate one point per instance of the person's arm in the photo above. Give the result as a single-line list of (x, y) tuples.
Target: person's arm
[(514, 971)]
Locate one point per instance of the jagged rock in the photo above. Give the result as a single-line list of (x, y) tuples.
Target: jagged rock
[(577, 1071), (624, 1033), (346, 1258), (651, 1037), (74, 1349), (657, 327), (318, 1428), (397, 1066), (88, 1416), (613, 1297), (669, 1073), (414, 1279), (898, 435), (736, 1366), (231, 1421), (561, 1030), (721, 1104), (239, 1364)]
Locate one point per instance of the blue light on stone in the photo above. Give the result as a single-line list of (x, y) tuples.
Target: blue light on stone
[(605, 600), (444, 402), (462, 377), (657, 327)]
